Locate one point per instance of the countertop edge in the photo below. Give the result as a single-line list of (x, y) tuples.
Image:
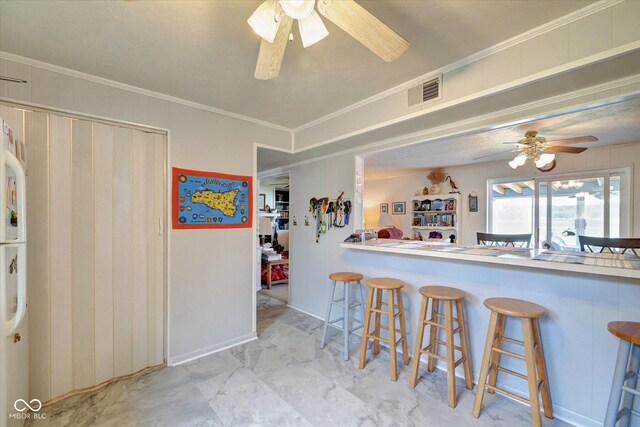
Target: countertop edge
[(526, 263)]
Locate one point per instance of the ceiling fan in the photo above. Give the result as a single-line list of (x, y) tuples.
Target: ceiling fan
[(541, 151), (273, 19)]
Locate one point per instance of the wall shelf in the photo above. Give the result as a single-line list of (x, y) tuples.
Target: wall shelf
[(433, 213)]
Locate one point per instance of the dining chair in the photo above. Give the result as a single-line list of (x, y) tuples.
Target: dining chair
[(513, 240), (609, 244)]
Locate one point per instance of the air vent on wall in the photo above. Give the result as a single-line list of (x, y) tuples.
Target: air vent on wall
[(424, 92)]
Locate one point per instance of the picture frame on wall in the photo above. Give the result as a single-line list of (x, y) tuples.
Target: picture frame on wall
[(384, 208), (473, 203), (399, 208), (262, 201)]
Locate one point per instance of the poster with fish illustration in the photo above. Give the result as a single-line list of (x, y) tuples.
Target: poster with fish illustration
[(211, 200)]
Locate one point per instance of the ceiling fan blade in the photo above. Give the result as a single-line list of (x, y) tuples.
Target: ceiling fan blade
[(576, 140), (494, 154), (561, 149), (271, 54), (364, 27)]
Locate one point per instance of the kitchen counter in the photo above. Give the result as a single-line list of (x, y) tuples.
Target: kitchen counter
[(578, 262)]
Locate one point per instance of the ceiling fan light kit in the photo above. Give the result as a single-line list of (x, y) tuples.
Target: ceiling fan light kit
[(271, 21), (265, 20), (312, 29), (541, 151)]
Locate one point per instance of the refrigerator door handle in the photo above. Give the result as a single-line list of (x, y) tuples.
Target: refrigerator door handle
[(13, 163), (12, 324)]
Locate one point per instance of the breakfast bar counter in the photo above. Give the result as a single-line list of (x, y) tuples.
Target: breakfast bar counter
[(578, 262), (581, 292)]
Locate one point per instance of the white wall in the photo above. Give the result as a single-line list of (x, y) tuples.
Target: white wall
[(210, 289), (473, 178), (312, 262)]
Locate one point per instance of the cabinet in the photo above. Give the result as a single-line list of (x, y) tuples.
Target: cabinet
[(281, 199), (435, 217)]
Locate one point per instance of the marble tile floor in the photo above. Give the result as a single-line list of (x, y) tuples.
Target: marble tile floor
[(283, 379)]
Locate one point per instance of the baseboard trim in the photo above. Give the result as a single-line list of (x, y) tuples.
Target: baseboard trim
[(206, 351), (305, 312)]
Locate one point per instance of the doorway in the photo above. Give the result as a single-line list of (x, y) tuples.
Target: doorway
[(273, 232)]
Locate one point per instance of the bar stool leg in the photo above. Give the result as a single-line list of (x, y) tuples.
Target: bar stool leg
[(376, 331), (328, 316), (365, 330), (433, 334), (415, 364), (484, 367), (451, 364), (392, 336), (616, 387), (527, 332), (464, 345), (495, 356), (403, 329), (345, 321), (542, 371), (628, 399), (359, 285)]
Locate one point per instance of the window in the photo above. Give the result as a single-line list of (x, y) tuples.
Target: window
[(557, 209)]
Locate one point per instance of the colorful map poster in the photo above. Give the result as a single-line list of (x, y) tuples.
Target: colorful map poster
[(211, 200)]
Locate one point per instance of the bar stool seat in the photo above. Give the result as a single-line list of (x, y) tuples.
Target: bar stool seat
[(385, 283), (625, 377), (515, 307), (448, 296), (377, 286), (347, 278), (536, 373)]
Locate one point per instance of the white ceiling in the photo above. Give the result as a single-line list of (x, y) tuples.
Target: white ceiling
[(205, 52), (616, 123)]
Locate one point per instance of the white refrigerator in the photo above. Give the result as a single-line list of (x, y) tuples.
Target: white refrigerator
[(14, 357)]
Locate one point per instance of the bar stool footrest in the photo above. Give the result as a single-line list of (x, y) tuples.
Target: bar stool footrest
[(508, 371), (631, 390), (508, 353), (507, 393)]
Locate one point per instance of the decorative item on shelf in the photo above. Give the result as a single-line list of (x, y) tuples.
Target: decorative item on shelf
[(437, 177), (267, 209), (295, 221), (452, 238), (452, 184), (435, 235), (425, 191), (384, 208)]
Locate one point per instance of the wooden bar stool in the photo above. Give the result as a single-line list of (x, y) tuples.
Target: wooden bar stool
[(533, 357), (377, 286), (347, 278), (448, 296), (627, 371)]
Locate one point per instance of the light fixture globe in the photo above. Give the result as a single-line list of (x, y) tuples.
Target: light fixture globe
[(264, 21), (298, 9), (545, 159), (312, 29)]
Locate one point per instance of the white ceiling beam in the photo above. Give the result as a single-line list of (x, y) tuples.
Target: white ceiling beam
[(498, 188), (515, 186)]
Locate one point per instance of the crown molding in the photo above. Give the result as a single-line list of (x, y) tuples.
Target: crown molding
[(513, 41), (140, 91)]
